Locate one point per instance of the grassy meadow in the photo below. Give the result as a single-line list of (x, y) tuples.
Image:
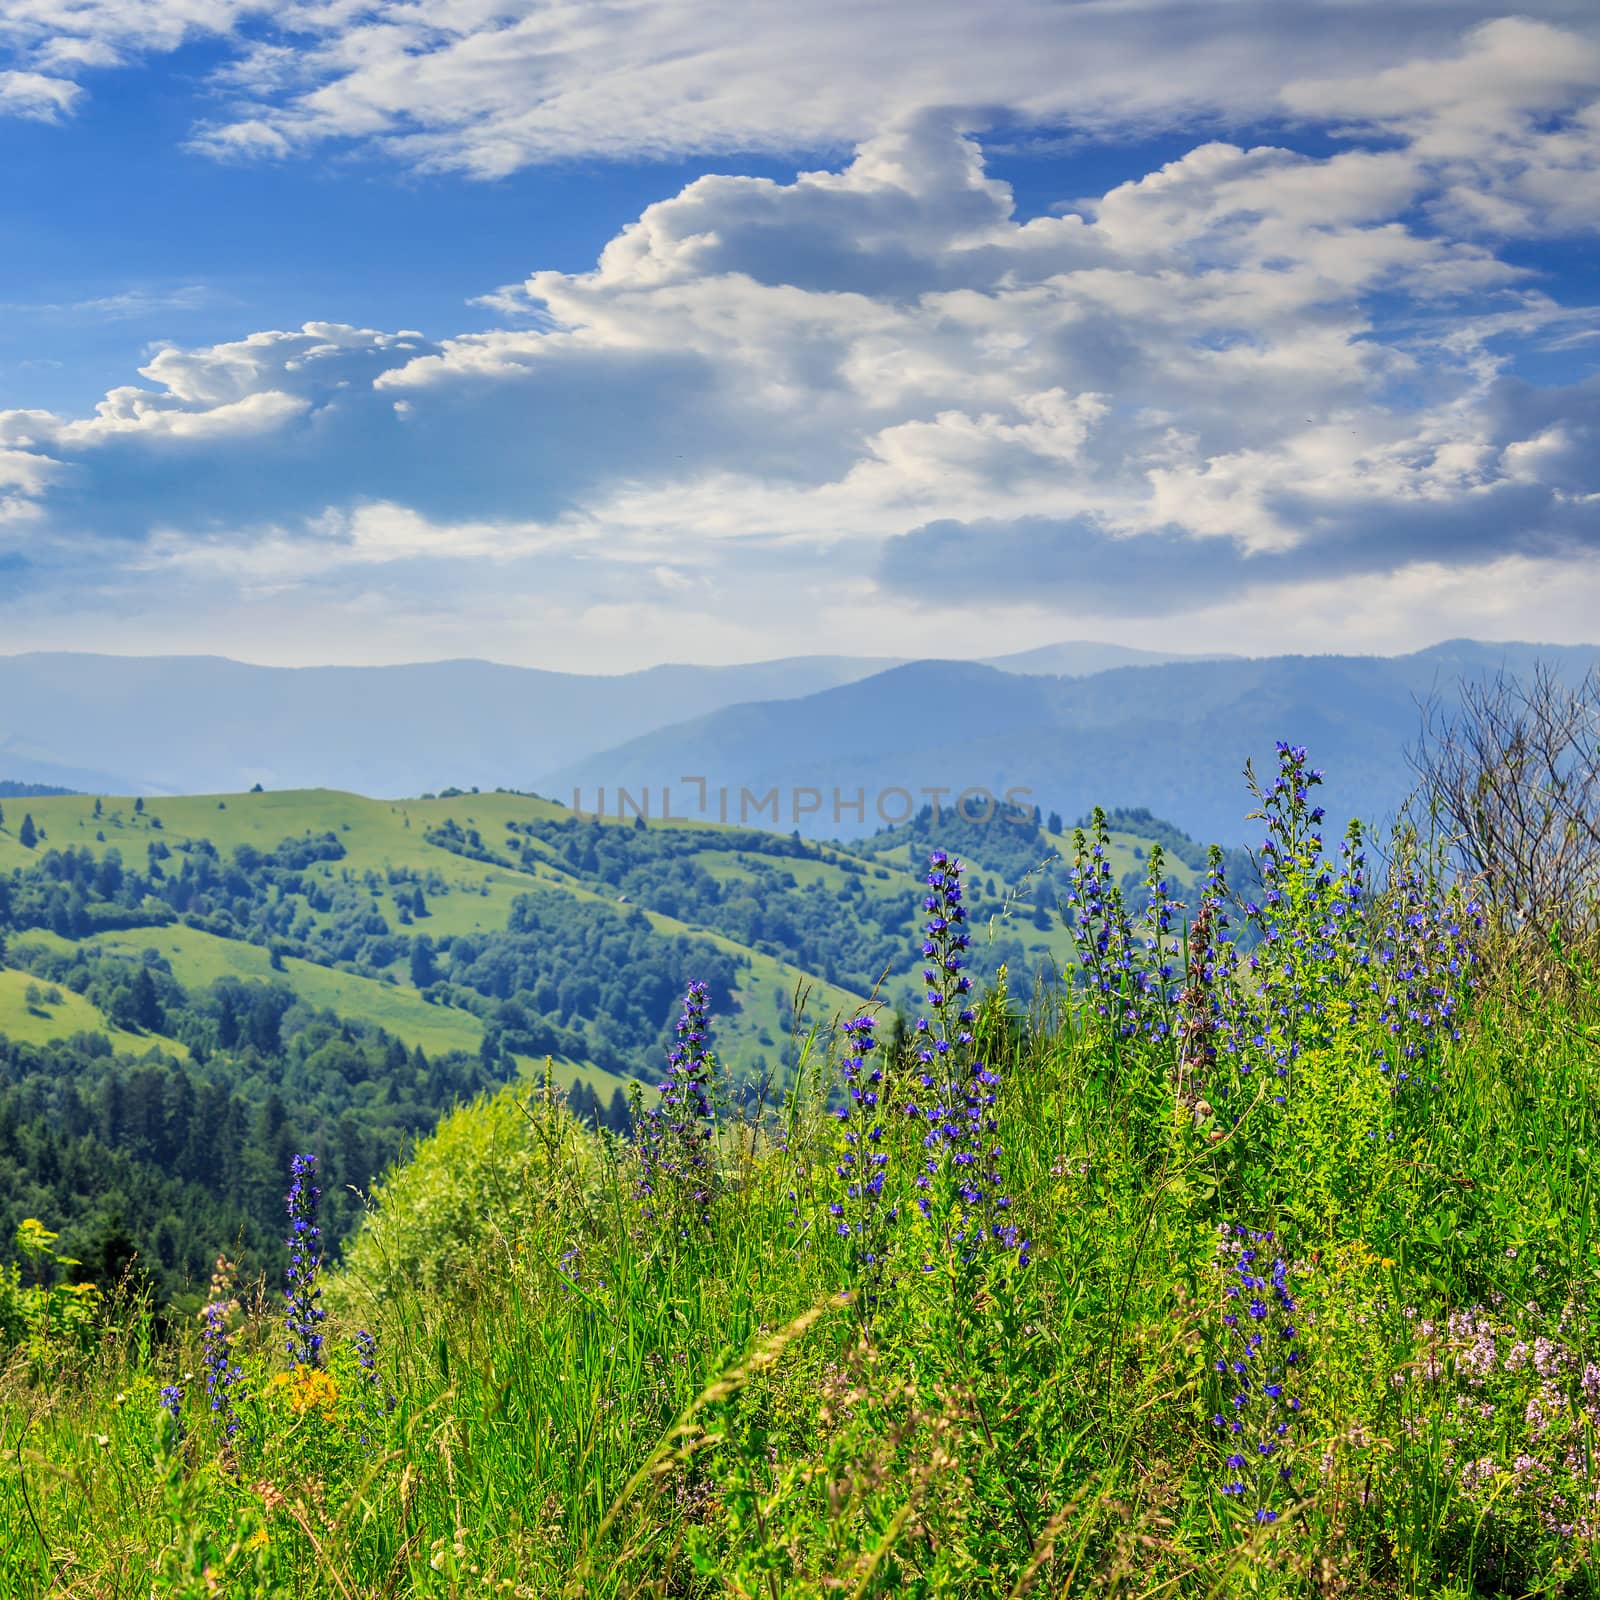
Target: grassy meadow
[(1223, 1267)]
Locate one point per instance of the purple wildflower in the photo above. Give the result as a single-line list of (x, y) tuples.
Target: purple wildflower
[(1255, 1363), (961, 1170), (674, 1147), (378, 1392), (303, 1296), (860, 1212), (172, 1403), (223, 1376)]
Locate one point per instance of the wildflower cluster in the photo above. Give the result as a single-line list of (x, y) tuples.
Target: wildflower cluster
[(308, 1391), (1153, 974), (1302, 921), (1421, 960), (675, 1145), (1129, 967), (1100, 926), (224, 1378), (172, 1403), (961, 1189), (1338, 956), (861, 1213), (687, 1091), (303, 1296), (1519, 1393), (1258, 1365), (1208, 968), (1293, 847), (378, 1393)]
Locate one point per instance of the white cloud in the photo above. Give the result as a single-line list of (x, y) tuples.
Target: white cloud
[(249, 387), (1252, 371), (134, 304), (1508, 126), (133, 411), (97, 33), (1511, 597), (36, 96), (375, 533), (486, 86), (24, 480)]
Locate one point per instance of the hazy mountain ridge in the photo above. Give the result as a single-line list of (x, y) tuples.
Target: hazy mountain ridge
[(1172, 737), (1144, 729), (10, 790), (186, 724), (182, 724)]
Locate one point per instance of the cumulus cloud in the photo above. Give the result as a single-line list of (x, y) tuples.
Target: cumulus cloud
[(1508, 126), (374, 533), (1251, 371), (36, 95)]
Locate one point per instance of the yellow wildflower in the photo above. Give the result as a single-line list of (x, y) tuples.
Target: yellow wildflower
[(309, 1389)]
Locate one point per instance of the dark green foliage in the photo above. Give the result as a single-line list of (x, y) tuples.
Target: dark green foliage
[(1010, 842), (256, 895), (467, 842), (586, 1106), (849, 936), (423, 971), (578, 978), (166, 1163)]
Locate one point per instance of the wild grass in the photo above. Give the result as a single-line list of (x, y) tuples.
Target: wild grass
[(615, 1377)]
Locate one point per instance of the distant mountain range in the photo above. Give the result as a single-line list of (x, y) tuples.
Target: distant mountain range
[(1072, 725), (1170, 736), (185, 724)]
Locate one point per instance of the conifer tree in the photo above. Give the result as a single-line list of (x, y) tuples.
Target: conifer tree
[(423, 971)]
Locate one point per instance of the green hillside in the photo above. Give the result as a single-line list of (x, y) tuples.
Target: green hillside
[(475, 855), (35, 1013), (198, 959), (242, 972)]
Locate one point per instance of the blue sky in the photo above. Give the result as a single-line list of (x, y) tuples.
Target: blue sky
[(595, 336)]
